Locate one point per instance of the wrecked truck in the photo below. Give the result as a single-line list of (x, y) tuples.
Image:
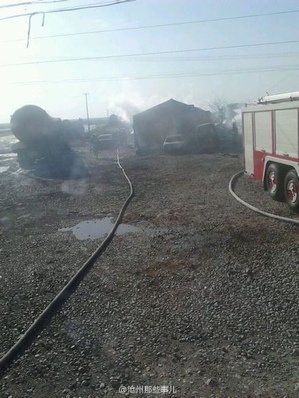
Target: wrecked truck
[(44, 144)]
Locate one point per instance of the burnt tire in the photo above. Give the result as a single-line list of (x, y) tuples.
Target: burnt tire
[(274, 182), (291, 190)]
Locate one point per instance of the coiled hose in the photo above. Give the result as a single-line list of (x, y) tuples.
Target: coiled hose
[(69, 288), (231, 186)]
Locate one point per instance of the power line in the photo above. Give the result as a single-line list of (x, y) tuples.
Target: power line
[(77, 8), (150, 53), (216, 57), (27, 3), (68, 9), (166, 76), (210, 58), (160, 25)]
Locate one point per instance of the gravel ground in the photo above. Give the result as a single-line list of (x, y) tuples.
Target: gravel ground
[(204, 297)]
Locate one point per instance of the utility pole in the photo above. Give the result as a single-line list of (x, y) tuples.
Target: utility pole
[(87, 112)]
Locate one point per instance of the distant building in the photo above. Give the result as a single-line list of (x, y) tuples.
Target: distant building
[(152, 126)]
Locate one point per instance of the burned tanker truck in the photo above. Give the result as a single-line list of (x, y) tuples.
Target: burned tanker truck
[(45, 143)]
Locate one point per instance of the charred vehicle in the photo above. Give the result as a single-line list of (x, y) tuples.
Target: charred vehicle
[(175, 144), (44, 143)]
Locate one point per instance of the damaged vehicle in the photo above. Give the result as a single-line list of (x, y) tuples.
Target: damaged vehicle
[(175, 144), (44, 144), (107, 141)]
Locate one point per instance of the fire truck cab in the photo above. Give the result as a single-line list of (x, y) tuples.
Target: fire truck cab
[(271, 145)]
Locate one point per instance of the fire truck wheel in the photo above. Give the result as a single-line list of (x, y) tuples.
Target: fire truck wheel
[(291, 190), (274, 182)]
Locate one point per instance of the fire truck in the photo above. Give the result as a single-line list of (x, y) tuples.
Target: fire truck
[(271, 145)]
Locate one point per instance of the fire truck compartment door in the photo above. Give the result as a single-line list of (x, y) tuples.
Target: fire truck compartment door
[(263, 131), (286, 126), (248, 142)]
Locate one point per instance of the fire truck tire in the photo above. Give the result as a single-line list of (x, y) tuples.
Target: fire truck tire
[(274, 182), (291, 190)]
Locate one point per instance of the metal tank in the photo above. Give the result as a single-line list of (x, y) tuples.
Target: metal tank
[(44, 143), (30, 124)]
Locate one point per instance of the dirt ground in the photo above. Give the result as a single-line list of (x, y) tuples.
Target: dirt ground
[(201, 301)]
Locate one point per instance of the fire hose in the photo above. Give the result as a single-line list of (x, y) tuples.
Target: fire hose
[(231, 187), (68, 289)]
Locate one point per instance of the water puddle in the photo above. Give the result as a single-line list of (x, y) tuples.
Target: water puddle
[(99, 228), (3, 169), (6, 141), (9, 155)]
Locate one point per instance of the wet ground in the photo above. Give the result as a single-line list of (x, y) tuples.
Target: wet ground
[(94, 229), (207, 301), (7, 158), (66, 165)]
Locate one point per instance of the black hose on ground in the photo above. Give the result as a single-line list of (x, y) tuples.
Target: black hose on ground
[(231, 186), (66, 292)]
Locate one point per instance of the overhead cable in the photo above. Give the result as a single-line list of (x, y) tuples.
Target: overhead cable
[(51, 61), (163, 76), (159, 25), (27, 3), (77, 8), (60, 10)]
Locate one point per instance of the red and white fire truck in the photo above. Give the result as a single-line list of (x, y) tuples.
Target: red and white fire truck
[(271, 145)]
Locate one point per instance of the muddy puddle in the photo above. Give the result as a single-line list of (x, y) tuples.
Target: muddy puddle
[(99, 228)]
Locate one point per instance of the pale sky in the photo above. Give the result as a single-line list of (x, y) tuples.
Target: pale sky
[(137, 83)]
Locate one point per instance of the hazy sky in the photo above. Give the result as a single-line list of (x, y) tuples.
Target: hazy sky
[(136, 83)]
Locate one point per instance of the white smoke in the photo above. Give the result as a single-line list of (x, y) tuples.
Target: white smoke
[(126, 105), (125, 110)]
